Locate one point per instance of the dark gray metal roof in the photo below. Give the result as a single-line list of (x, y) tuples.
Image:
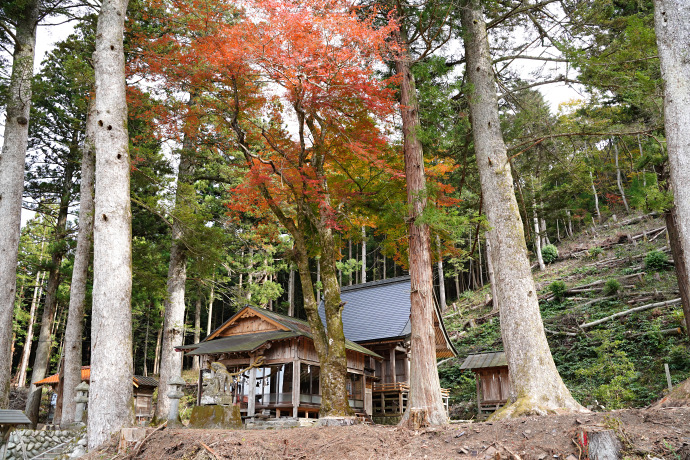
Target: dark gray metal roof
[(249, 342), (375, 311), (13, 417), (236, 343), (145, 381), (484, 360)]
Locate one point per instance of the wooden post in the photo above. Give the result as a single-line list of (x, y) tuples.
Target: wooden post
[(392, 366), (479, 395), (295, 386), (251, 402), (668, 377)]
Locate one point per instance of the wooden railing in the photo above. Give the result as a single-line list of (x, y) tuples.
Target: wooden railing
[(397, 386), (402, 386)]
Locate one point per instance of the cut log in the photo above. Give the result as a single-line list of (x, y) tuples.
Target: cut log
[(599, 443), (627, 312)]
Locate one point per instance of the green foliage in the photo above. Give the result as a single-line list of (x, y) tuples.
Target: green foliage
[(549, 253), (349, 266), (595, 252), (611, 287), (610, 374), (656, 260), (461, 384), (558, 289)]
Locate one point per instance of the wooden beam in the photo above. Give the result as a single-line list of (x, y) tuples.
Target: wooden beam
[(295, 386), (392, 366), (251, 402)]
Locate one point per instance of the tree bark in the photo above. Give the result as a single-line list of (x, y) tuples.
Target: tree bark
[(211, 298), (197, 329), (672, 25), (82, 258), (110, 394), (490, 269), (596, 196), (173, 324), (364, 254), (12, 179), (441, 280), (45, 342), (26, 351), (537, 237), (425, 387), (537, 387), (619, 181), (349, 255), (157, 357), (291, 292), (679, 259)]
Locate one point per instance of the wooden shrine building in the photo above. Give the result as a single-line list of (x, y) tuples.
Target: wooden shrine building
[(493, 380), (276, 368), (143, 388), (277, 364)]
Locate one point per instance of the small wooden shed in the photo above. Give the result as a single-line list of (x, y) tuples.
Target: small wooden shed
[(493, 380), (142, 391)]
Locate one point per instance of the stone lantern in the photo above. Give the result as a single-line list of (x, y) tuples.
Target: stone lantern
[(175, 393), (81, 400)]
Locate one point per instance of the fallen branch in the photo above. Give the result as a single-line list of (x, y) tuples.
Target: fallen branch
[(591, 302), (211, 451), (674, 330), (139, 445), (627, 312), (571, 334)]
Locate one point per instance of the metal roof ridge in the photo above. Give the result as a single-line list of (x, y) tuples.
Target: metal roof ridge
[(369, 284)]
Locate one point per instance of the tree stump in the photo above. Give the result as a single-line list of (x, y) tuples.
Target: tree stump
[(599, 443), (419, 418)]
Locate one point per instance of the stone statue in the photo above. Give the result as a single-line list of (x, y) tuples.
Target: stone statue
[(217, 388)]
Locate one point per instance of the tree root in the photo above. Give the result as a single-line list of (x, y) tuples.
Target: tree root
[(526, 406)]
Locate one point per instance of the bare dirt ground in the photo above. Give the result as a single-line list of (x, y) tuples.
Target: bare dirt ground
[(651, 433)]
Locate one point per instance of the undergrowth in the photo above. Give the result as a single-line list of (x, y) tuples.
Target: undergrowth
[(618, 364)]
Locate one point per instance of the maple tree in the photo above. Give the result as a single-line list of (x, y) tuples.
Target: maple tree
[(321, 59)]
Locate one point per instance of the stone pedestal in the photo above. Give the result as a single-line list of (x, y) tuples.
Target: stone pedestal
[(216, 417)]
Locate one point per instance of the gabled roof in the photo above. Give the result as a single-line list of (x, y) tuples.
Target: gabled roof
[(137, 380), (484, 360), (287, 325), (13, 417), (380, 310)]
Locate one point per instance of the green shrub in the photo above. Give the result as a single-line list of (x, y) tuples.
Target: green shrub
[(611, 375), (558, 289), (595, 252), (549, 253), (656, 260), (611, 287)]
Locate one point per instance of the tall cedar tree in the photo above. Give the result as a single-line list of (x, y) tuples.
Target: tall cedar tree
[(537, 388), (110, 396), (672, 25), (12, 176)]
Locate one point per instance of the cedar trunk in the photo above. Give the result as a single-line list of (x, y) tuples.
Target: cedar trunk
[(425, 400), (672, 25), (75, 318), (537, 387), (45, 342), (110, 395), (12, 180), (173, 324), (26, 351)]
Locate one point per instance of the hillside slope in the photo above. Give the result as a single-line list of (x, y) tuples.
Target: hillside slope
[(606, 271)]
